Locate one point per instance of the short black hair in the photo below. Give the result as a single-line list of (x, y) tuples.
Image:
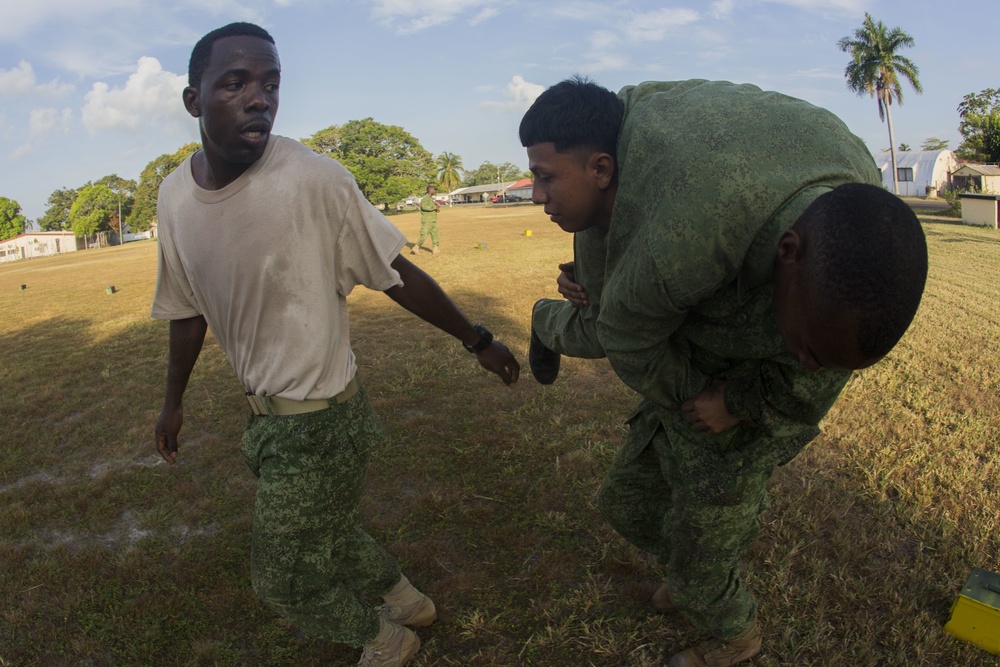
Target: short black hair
[(870, 258), (575, 113), (202, 52)]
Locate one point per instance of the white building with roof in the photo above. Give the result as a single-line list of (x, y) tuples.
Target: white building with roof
[(478, 193), (39, 244), (984, 178), (919, 173)]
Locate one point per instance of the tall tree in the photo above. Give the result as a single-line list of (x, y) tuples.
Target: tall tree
[(56, 216), (488, 173), (124, 191), (979, 125), (94, 210), (12, 223), (325, 142), (144, 208), (449, 165), (387, 161), (934, 144), (876, 69)]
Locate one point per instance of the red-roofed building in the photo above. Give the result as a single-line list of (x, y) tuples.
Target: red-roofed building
[(520, 189)]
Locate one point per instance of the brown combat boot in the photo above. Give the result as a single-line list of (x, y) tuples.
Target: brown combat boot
[(405, 605), (392, 647), (661, 600), (719, 653)]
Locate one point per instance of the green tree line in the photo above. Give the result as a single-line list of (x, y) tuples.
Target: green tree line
[(388, 163)]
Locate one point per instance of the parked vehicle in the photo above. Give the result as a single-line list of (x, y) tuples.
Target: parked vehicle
[(505, 199)]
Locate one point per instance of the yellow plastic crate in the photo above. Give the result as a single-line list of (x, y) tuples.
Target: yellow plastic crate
[(975, 615)]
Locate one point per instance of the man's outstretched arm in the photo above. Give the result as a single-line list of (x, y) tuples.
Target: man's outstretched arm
[(186, 339), (421, 295)]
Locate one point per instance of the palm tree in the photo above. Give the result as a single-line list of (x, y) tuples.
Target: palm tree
[(449, 165), (875, 69)]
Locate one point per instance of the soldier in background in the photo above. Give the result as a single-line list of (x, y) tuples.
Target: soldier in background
[(428, 221)]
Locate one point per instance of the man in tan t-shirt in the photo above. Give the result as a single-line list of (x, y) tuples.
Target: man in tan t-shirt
[(262, 240)]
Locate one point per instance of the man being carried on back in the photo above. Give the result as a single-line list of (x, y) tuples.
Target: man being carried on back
[(735, 259)]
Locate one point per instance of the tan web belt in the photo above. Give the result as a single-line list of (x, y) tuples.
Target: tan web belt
[(276, 406)]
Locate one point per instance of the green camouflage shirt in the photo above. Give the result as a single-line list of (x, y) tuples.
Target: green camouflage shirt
[(710, 175), (428, 209)]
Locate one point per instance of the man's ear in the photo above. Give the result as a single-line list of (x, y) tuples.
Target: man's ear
[(603, 167), (790, 247), (192, 101)]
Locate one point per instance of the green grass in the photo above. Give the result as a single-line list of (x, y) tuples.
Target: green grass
[(484, 493)]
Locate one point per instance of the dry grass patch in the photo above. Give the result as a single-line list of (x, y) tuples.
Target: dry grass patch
[(485, 494)]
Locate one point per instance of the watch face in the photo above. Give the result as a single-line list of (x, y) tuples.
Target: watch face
[(485, 338)]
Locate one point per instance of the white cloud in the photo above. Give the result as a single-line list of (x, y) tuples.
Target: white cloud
[(591, 12), (46, 121), (519, 94), (20, 152), (41, 124), (17, 80), (654, 26), (18, 17), (721, 9), (407, 16), (850, 7), (603, 39), (21, 81), (149, 97), (484, 15), (604, 63)]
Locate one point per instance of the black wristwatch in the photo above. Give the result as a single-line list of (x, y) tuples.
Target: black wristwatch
[(485, 339)]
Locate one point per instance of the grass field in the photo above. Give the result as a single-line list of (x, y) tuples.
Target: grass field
[(484, 493)]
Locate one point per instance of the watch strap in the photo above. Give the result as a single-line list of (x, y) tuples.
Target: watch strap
[(485, 340)]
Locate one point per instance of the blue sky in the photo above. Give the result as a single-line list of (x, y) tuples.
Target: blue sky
[(93, 88)]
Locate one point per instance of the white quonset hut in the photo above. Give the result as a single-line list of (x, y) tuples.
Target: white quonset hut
[(919, 173)]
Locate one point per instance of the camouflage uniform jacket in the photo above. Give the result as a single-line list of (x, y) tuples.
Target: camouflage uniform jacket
[(710, 175), (428, 209)]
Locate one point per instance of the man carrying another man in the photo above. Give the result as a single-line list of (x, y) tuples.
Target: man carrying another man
[(735, 259)]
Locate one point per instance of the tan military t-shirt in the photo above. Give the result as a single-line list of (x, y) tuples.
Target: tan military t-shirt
[(269, 260)]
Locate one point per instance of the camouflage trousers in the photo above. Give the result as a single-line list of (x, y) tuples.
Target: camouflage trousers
[(310, 559), (428, 227), (694, 502)]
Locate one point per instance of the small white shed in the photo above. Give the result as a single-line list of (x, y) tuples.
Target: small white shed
[(919, 173), (980, 210)]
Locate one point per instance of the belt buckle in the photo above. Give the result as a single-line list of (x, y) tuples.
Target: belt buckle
[(259, 405)]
